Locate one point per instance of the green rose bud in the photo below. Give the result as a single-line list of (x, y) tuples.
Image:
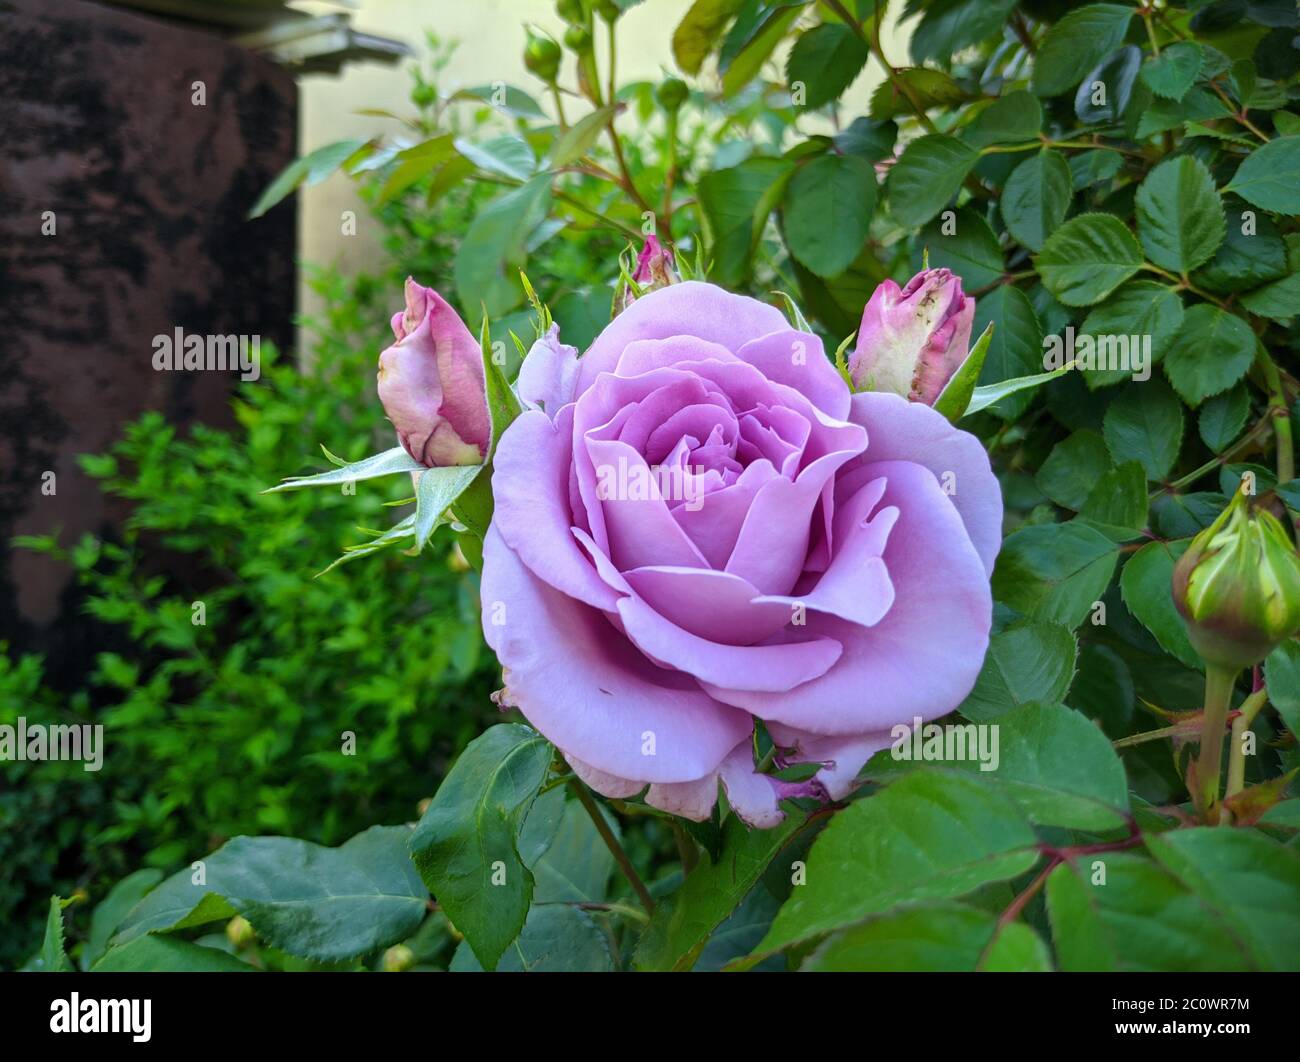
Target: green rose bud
[(578, 39), (1238, 587), (672, 93), (608, 10), (571, 11), (423, 95), (240, 933), (398, 958), (542, 56)]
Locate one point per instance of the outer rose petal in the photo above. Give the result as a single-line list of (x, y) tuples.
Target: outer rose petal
[(549, 374), (799, 360), (588, 690), (898, 430), (843, 756), (690, 308), (923, 657)]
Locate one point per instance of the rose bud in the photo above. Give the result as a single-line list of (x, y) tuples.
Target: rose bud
[(542, 56), (1238, 587), (432, 385), (398, 959), (913, 339), (654, 270)]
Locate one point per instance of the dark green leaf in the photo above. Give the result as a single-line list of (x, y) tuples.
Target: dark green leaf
[(1054, 572), (1270, 176), (1028, 661), (1140, 309), (968, 247), (151, 954), (1223, 417), (1179, 214), (828, 206), (926, 178), (1211, 352), (1073, 468), (1145, 424), (1087, 258), (1015, 348), (1036, 198), (825, 60), (1173, 71), (1146, 584), (1076, 44)]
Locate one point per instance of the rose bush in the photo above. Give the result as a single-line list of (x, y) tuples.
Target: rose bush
[(823, 582)]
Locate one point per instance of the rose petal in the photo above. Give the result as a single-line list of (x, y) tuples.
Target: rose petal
[(589, 691), (549, 374), (799, 360), (844, 756)]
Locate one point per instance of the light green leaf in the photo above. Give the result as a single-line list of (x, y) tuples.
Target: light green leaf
[(389, 463), (556, 938), (114, 908), (53, 958), (151, 954), (435, 491), (580, 137), (955, 398), (699, 31), (311, 169)]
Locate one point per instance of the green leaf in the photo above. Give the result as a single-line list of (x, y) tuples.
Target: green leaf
[(1211, 352), (1054, 572), (828, 207), (1270, 176), (933, 834), (1251, 882), (1076, 44), (1279, 300), (699, 30), (1140, 308), (992, 394), (931, 937), (1087, 258), (310, 169), (932, 88), (1060, 768), (576, 865), (1171, 73), (1145, 424), (53, 959), (389, 463), (948, 26), (826, 60), (927, 177), (1179, 214), (435, 490), (1092, 167), (580, 137), (556, 938), (1119, 499), (1036, 198), (1146, 586), (506, 156), (150, 954), (955, 398), (114, 908), (1014, 118), (735, 204), (1223, 417), (970, 250), (1282, 677), (867, 139), (495, 244), (1119, 912), (326, 904), (683, 923), (741, 70), (515, 102), (1028, 661), (1073, 468), (1015, 354), (470, 833)]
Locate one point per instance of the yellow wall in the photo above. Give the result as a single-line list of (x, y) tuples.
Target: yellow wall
[(491, 39)]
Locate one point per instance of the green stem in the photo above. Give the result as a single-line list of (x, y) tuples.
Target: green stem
[(1250, 708), (1218, 697), (670, 171), (559, 105), (615, 849), (686, 849), (1281, 418)]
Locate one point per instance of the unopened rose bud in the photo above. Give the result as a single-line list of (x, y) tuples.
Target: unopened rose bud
[(240, 932), (542, 56), (672, 93), (608, 10), (913, 339), (578, 38), (571, 11), (398, 958), (432, 385), (654, 270), (1238, 587)]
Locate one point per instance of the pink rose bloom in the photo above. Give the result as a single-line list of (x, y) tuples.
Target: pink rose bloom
[(432, 385), (698, 526), (913, 339)]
